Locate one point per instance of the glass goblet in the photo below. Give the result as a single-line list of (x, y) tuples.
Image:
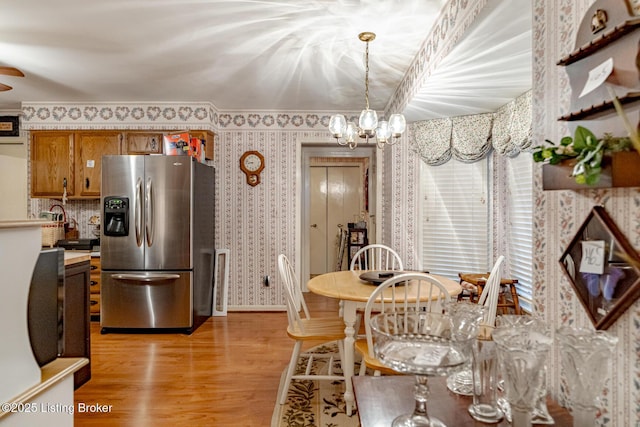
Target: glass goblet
[(418, 343), (465, 318)]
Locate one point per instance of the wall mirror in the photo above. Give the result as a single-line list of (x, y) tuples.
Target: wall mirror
[(603, 268)]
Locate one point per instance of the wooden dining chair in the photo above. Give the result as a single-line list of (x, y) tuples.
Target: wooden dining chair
[(303, 327), (405, 292), (376, 257)]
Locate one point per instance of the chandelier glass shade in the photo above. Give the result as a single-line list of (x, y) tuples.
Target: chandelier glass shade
[(384, 132)]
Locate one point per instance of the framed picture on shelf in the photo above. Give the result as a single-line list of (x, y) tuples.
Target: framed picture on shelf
[(357, 237), (603, 268)]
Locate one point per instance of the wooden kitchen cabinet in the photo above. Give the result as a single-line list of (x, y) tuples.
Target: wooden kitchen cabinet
[(94, 296), (52, 163), (71, 158), (75, 315), (74, 157), (142, 143), (208, 138), (90, 147)]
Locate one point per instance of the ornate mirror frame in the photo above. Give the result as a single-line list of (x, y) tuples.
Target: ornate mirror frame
[(603, 268)]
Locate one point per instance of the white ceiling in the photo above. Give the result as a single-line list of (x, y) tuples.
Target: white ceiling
[(290, 55)]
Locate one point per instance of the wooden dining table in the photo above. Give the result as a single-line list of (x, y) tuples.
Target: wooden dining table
[(354, 292), (382, 399)]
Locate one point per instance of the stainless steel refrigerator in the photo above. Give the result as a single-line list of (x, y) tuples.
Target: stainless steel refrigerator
[(156, 243)]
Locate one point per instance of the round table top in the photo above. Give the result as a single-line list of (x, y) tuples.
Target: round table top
[(347, 285)]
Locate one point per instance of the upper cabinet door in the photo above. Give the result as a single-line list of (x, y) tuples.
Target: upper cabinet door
[(51, 164), (208, 138), (90, 147), (142, 143)]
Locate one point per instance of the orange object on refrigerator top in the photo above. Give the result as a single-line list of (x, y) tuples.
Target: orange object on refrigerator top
[(197, 149), (177, 144)]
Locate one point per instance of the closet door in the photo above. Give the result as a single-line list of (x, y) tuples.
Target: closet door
[(335, 198)]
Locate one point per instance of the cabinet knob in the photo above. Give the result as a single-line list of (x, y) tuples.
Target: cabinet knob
[(314, 225), (86, 183)]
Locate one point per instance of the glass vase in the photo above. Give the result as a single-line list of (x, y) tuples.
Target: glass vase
[(485, 379), (540, 414), (522, 354), (465, 320), (585, 359)]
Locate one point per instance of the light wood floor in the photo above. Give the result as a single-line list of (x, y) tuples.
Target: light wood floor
[(225, 374)]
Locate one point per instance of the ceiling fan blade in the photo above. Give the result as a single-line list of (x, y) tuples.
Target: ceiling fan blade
[(11, 71), (4, 87)]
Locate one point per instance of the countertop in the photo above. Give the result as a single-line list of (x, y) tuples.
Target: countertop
[(75, 257)]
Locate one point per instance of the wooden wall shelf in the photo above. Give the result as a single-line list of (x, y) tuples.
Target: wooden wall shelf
[(621, 169), (599, 42), (602, 109)]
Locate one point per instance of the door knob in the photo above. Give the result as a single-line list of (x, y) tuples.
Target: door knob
[(314, 225)]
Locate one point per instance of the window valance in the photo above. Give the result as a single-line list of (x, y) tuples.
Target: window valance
[(470, 138)]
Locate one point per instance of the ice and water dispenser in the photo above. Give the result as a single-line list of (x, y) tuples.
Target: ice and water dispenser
[(116, 216)]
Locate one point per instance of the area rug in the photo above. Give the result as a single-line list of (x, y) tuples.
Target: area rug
[(312, 403)]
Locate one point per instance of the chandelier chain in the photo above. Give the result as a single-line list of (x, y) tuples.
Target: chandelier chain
[(366, 75)]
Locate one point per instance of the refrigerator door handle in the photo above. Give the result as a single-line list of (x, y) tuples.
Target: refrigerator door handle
[(149, 225), (138, 212), (145, 277)]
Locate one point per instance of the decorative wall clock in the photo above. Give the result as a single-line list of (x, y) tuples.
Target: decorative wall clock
[(252, 163)]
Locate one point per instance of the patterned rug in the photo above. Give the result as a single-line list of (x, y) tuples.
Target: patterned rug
[(314, 403)]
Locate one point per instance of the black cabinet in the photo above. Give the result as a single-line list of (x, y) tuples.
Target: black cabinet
[(76, 317)]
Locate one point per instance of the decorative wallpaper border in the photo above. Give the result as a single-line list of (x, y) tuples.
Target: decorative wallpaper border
[(168, 116), (453, 22), (132, 115), (277, 120)]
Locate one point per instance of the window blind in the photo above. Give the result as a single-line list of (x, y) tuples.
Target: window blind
[(520, 239), (455, 231)]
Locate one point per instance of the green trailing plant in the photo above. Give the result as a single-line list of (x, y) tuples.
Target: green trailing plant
[(586, 149)]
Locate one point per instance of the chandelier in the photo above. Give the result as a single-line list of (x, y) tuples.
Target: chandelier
[(385, 133)]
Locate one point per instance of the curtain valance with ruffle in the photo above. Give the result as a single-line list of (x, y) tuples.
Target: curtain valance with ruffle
[(470, 138)]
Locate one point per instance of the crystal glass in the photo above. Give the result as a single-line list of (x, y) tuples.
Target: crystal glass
[(585, 359), (465, 317), (540, 414), (418, 343), (485, 379), (522, 353)]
